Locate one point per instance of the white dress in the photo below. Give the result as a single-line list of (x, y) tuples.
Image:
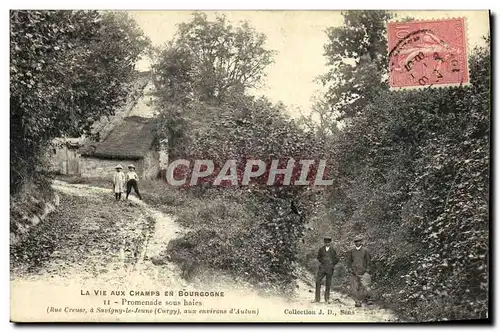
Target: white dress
[(119, 182)]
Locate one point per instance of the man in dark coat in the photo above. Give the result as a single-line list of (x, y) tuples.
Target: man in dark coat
[(327, 257), (358, 264)]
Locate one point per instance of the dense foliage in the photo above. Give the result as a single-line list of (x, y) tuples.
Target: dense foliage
[(201, 79), (208, 62), (411, 171), (67, 69), (247, 128), (211, 58), (356, 55), (413, 174)]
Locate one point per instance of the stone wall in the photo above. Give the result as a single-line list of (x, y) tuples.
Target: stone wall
[(91, 167), (64, 159), (151, 165), (104, 168), (163, 154), (58, 159)]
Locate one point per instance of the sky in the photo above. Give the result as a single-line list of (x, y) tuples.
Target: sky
[(298, 37)]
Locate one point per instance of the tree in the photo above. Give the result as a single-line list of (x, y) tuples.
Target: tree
[(207, 62), (68, 69), (244, 128), (357, 56), (202, 77), (213, 57), (319, 119)]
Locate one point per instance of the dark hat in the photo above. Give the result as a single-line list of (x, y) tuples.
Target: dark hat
[(327, 238)]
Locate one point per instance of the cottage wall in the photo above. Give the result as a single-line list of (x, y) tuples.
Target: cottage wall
[(64, 160), (58, 159), (151, 165), (95, 167), (163, 154)]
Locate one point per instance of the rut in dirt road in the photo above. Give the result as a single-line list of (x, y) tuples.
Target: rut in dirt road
[(92, 237), (157, 230)]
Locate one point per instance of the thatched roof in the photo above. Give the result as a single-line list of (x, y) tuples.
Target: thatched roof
[(70, 142), (131, 139)]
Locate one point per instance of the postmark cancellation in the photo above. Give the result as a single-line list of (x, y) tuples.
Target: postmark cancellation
[(427, 53)]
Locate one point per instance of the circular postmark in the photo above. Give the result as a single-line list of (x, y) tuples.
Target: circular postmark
[(422, 58)]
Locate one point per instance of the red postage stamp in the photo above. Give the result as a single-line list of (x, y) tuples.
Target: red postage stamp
[(427, 53)]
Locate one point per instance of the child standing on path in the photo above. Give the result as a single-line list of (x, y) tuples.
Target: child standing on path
[(132, 181), (118, 182)]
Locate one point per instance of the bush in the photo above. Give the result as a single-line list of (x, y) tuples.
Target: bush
[(414, 167), (227, 234), (30, 201)]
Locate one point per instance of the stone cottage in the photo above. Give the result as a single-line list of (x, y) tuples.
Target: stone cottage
[(64, 156), (128, 137), (130, 142)]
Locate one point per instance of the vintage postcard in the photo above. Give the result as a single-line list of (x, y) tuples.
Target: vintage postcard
[(249, 166)]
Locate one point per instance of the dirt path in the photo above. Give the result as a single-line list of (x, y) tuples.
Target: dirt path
[(100, 244)]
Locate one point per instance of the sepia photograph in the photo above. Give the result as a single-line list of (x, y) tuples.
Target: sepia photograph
[(250, 166)]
